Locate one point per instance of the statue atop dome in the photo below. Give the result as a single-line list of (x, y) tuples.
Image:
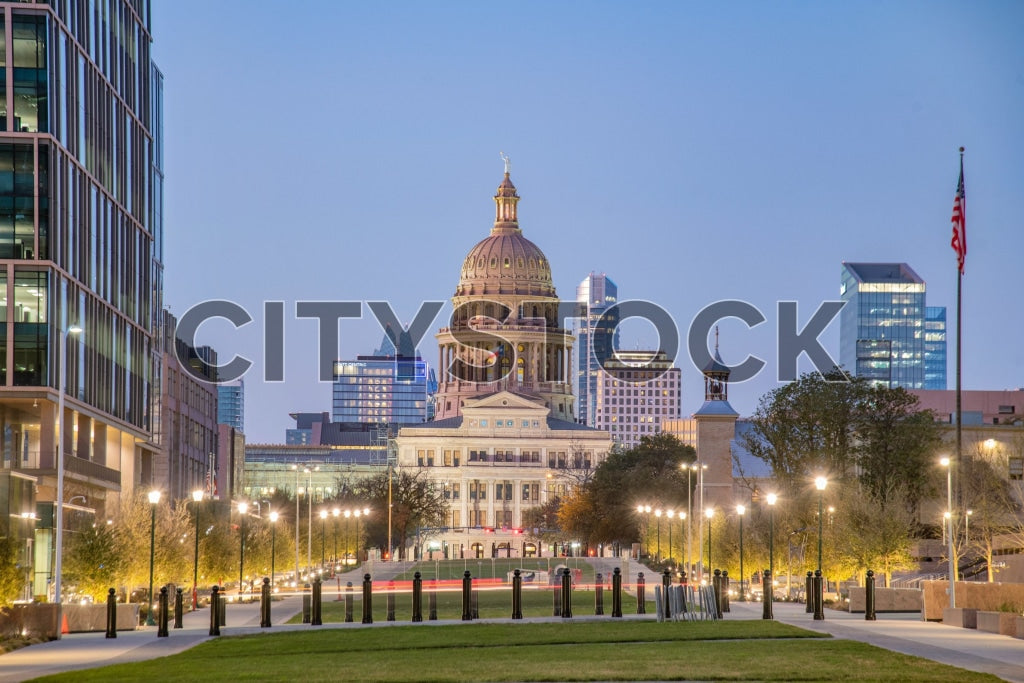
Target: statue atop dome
[(508, 162)]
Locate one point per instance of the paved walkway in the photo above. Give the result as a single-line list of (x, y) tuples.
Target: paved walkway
[(906, 633)]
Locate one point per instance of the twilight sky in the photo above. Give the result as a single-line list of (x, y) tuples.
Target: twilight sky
[(694, 152)]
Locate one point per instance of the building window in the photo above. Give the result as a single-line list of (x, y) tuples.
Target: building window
[(29, 50), (30, 328)]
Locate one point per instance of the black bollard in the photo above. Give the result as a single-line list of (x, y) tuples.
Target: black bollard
[(641, 601), (432, 601), (391, 602), (317, 606), (716, 585), (179, 609), (467, 590), (307, 605), (265, 604), (598, 595), (869, 597), (566, 594), (417, 597), (768, 595), (616, 592), (819, 604), (725, 590), (112, 613), (809, 593), (367, 599), (517, 595), (214, 612), (666, 581), (161, 622), (348, 602)]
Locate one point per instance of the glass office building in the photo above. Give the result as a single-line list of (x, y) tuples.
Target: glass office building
[(231, 405), (79, 248), (388, 389), (595, 339), (935, 347), (882, 326)]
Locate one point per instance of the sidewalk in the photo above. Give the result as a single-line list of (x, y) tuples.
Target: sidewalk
[(965, 648), (906, 633)]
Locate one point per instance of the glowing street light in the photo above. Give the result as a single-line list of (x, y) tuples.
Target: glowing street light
[(273, 541), (947, 463), (58, 544), (154, 498), (772, 499), (197, 497), (243, 508), (740, 509)]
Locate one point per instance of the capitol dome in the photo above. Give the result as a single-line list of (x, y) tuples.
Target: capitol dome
[(506, 262)]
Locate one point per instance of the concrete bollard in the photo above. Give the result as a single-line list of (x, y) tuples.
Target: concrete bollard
[(725, 590), (390, 602), (566, 593), (214, 611), (819, 603), (111, 613), (666, 582), (348, 602), (432, 601), (616, 593), (598, 595), (265, 604), (809, 593), (161, 622), (467, 591), (417, 597), (179, 609), (367, 599), (768, 595), (869, 597), (517, 595), (641, 601)]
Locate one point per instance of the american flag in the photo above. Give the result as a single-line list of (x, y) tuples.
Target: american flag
[(959, 241)]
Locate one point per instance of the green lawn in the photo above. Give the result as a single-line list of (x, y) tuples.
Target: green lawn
[(607, 651)]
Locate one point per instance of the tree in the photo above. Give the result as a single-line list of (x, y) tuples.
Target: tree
[(12, 576), (877, 531), (416, 502), (92, 562)]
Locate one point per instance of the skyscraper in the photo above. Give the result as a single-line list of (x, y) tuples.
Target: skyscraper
[(634, 393), (80, 231), (882, 328), (935, 347), (231, 404), (595, 339), (390, 389)]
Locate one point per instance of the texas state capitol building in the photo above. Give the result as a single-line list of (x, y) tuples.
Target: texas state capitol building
[(503, 440)]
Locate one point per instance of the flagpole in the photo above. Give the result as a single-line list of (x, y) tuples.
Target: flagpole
[(959, 352)]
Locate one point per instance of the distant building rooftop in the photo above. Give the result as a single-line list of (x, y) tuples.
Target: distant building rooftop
[(880, 273)]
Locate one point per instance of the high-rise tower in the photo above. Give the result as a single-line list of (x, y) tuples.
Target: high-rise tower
[(596, 340), (505, 333)]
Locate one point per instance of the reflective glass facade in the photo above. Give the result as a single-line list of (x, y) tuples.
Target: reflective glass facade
[(882, 326), (595, 338), (935, 347), (231, 405), (380, 389)]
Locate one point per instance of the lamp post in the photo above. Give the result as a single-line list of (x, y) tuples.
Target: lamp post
[(323, 539), (671, 515), (297, 509), (820, 483), (740, 509), (772, 499), (154, 498), (709, 513), (700, 501), (967, 528), (243, 508), (58, 544), (947, 463), (197, 497), (273, 542), (335, 513), (348, 516), (657, 513)]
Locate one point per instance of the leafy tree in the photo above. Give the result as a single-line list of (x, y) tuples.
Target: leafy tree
[(12, 576), (92, 561), (877, 531), (415, 502)]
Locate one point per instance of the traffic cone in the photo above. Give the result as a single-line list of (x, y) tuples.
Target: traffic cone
[(64, 624)]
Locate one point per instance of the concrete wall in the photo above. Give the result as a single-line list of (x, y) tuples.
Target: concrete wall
[(991, 597), (887, 599)]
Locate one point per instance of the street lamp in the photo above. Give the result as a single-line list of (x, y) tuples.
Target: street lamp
[(820, 483), (58, 549), (348, 516), (772, 499), (323, 539), (947, 463), (709, 513), (243, 507), (273, 540), (671, 514), (657, 513), (967, 528), (335, 513), (154, 498), (740, 509), (197, 496)]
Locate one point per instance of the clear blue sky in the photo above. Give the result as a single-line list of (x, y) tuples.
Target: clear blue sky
[(331, 150)]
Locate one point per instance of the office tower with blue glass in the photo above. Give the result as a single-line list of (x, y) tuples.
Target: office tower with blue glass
[(596, 338), (887, 334), (231, 405)]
